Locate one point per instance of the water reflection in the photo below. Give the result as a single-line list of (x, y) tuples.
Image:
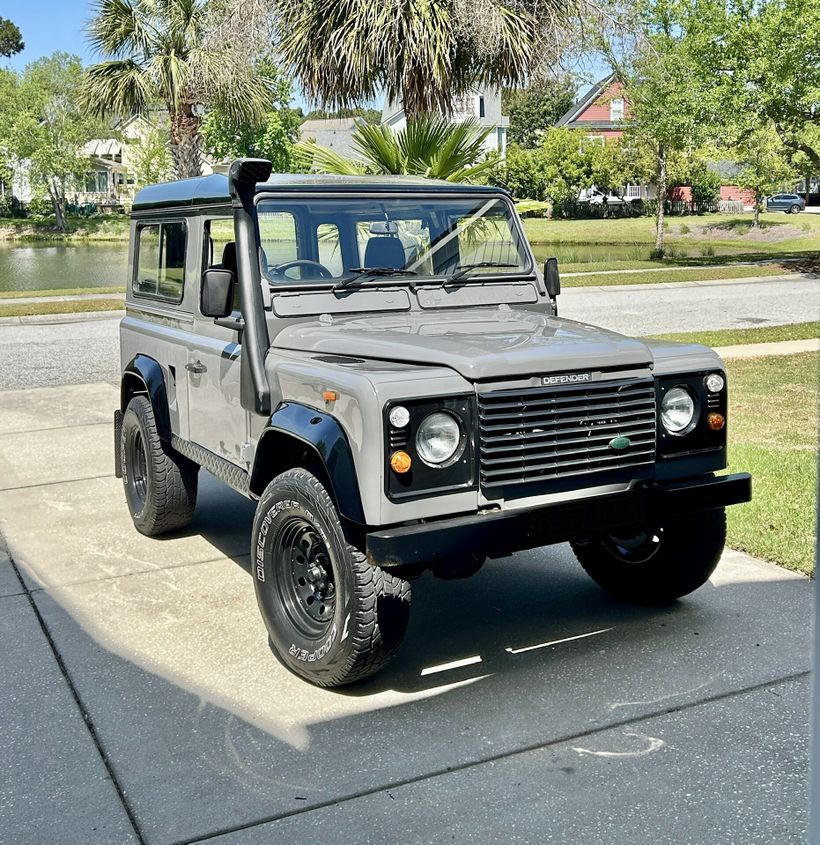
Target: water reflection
[(27, 267)]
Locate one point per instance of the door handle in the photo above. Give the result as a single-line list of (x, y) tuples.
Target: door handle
[(197, 367)]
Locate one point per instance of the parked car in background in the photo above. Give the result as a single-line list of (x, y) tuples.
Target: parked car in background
[(790, 203)]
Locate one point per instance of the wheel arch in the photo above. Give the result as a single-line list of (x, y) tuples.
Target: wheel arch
[(297, 435), (143, 375)]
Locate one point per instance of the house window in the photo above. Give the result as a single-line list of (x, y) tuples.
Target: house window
[(481, 106), (596, 139), (616, 109)]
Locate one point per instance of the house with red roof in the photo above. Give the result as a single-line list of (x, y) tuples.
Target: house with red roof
[(603, 114)]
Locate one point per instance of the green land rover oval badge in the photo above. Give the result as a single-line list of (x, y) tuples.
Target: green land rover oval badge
[(620, 443)]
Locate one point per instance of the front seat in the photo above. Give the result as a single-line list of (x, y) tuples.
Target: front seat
[(384, 251)]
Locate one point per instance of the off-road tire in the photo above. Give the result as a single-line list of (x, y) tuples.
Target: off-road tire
[(165, 501), (370, 609), (688, 552)]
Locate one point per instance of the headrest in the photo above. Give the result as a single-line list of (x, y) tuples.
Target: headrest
[(384, 252)]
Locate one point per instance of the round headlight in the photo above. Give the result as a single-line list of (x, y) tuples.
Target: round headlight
[(715, 382), (438, 438), (399, 416), (677, 410)]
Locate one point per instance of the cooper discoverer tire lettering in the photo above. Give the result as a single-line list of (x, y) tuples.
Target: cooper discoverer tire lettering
[(332, 618), (656, 565), (160, 485)]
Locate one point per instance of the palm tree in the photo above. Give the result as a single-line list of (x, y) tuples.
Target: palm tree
[(414, 51), (159, 52), (430, 145)]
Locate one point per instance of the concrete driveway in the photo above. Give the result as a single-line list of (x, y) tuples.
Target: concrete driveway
[(140, 701)]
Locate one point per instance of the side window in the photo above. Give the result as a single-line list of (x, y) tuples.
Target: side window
[(160, 270), (330, 247), (277, 232), (220, 250)]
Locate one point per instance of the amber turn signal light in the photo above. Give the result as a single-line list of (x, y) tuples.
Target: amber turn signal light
[(715, 421), (400, 462), (330, 395)]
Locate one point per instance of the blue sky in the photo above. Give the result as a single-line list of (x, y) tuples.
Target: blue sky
[(49, 25)]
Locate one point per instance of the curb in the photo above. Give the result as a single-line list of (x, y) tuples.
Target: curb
[(52, 319)]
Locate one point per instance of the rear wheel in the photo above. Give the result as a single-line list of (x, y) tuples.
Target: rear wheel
[(656, 564), (332, 618), (160, 484)]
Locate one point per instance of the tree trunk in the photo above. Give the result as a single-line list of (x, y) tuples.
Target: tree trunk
[(807, 177), (186, 142), (661, 201), (57, 203), (757, 209)]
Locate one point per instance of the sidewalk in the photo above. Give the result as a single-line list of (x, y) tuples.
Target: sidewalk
[(761, 350), (141, 702)]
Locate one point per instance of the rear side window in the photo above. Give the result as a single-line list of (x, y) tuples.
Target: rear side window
[(160, 270)]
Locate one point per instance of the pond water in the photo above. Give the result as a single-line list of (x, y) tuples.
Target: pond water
[(27, 267)]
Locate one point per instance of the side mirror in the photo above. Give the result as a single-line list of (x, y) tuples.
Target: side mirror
[(552, 278), (217, 293)]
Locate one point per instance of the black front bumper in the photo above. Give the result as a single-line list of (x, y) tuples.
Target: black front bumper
[(498, 533)]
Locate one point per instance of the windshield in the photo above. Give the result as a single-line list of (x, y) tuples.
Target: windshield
[(332, 240)]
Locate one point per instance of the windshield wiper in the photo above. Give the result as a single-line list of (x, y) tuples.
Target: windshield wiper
[(462, 270), (362, 273)]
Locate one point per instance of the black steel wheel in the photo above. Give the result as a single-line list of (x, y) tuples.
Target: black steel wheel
[(160, 485), (332, 618), (659, 564)]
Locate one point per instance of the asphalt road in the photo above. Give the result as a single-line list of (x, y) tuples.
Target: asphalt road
[(53, 353)]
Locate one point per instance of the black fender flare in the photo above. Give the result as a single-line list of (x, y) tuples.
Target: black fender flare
[(322, 434), (146, 370)]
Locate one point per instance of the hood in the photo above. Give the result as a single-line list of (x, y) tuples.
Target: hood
[(477, 343)]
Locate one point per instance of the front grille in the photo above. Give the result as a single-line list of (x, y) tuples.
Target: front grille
[(552, 432)]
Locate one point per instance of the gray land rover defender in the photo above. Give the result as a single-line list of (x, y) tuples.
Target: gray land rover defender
[(380, 365)]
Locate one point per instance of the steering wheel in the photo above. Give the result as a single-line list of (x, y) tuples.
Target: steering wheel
[(281, 269)]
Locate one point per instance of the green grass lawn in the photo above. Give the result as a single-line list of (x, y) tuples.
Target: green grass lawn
[(773, 435), (777, 234), (113, 227), (17, 294), (674, 275), (762, 334), (71, 307)]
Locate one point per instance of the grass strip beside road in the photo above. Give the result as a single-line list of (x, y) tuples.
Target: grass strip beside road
[(758, 334), (24, 294), (773, 421), (30, 309), (704, 274)]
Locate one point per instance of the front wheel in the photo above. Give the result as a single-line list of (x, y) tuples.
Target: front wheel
[(795, 209), (656, 564), (332, 618)]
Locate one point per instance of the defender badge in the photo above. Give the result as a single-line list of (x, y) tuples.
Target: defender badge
[(569, 378), (620, 443)]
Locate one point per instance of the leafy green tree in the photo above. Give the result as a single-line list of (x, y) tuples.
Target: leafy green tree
[(764, 59), (150, 157), (11, 40), (50, 129), (271, 136), (673, 107), (765, 165), (413, 51), (534, 109), (159, 52), (429, 145)]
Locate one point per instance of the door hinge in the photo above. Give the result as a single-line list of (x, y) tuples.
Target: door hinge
[(246, 453)]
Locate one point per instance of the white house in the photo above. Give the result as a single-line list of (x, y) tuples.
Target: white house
[(482, 104)]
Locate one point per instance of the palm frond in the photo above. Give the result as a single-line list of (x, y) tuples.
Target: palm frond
[(120, 27), (118, 87), (325, 160)]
